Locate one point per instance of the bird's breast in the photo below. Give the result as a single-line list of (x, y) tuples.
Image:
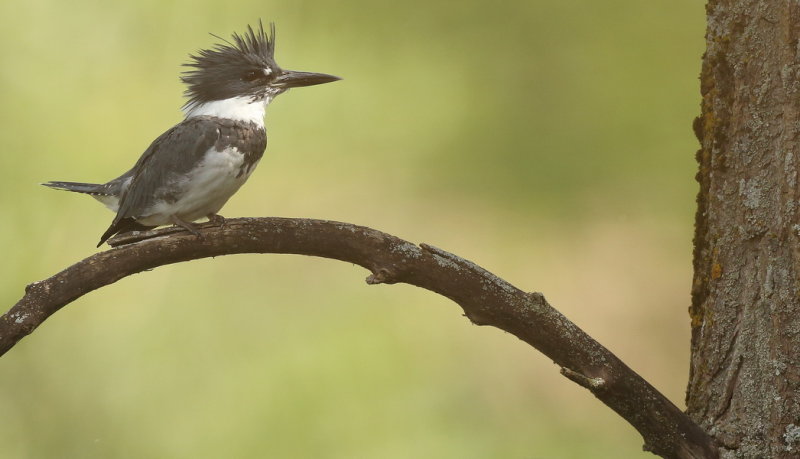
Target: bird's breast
[(248, 139), (204, 189), (219, 171)]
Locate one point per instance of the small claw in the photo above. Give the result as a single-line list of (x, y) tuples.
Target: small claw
[(186, 225)]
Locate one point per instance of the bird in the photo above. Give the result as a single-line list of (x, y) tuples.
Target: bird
[(190, 171)]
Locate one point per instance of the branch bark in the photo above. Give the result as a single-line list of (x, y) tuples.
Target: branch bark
[(485, 298)]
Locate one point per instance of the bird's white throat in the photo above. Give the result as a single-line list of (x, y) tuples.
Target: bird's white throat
[(235, 108)]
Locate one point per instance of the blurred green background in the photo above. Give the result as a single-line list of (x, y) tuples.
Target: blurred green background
[(549, 142)]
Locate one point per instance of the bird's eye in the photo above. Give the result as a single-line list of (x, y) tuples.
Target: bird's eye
[(252, 75)]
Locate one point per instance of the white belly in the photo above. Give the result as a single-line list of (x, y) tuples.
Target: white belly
[(203, 191)]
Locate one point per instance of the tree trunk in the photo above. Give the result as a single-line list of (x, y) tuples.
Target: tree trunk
[(744, 387)]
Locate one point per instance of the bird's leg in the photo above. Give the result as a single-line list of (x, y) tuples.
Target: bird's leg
[(185, 225), (216, 219)]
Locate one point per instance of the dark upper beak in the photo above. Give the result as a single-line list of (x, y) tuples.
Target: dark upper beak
[(291, 79)]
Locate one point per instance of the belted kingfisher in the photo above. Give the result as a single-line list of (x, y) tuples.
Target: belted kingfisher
[(190, 171)]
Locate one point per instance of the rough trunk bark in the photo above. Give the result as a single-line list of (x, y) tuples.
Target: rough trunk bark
[(744, 386)]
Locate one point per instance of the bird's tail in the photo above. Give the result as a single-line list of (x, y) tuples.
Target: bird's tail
[(88, 188), (120, 226)]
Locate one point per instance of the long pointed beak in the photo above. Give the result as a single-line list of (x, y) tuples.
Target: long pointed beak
[(292, 79)]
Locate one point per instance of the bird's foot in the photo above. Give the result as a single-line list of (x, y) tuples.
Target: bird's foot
[(186, 225), (216, 219)]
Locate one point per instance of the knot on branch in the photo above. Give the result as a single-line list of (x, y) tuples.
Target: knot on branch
[(537, 297), (477, 318), (31, 286), (382, 276), (593, 384)]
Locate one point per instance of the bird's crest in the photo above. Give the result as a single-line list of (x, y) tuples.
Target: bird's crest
[(214, 72)]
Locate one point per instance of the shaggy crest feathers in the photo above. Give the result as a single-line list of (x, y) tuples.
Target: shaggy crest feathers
[(230, 62)]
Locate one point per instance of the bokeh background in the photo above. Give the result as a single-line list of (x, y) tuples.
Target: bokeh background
[(549, 142)]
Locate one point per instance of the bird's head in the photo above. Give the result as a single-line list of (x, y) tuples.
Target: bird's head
[(242, 68)]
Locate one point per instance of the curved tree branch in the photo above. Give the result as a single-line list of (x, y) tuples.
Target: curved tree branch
[(485, 298)]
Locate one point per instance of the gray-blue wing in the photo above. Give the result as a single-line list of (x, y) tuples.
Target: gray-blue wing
[(172, 155)]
